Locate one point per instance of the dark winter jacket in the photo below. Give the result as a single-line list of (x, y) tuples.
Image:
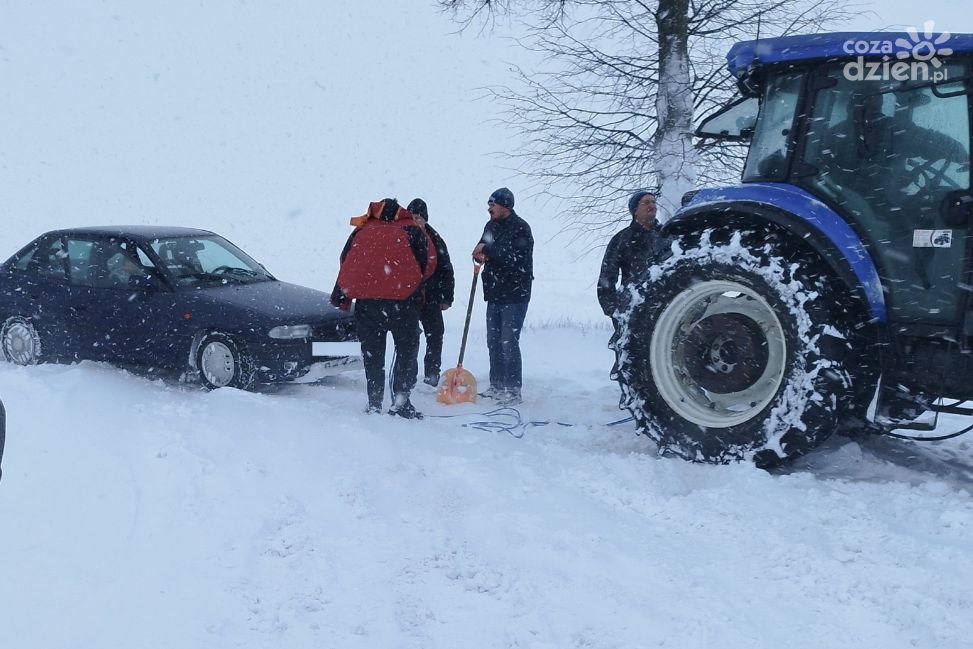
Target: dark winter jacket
[(439, 288), (509, 271), (384, 259), (631, 252)]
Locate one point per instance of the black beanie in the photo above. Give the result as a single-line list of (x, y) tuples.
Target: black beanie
[(390, 209), (418, 207), (633, 200), (504, 197)]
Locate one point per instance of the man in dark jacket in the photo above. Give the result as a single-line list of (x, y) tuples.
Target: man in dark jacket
[(384, 272), (438, 296), (630, 253), (507, 250)]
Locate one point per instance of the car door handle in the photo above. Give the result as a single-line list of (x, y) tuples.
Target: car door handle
[(78, 307)]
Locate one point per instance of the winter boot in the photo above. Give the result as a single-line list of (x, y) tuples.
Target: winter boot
[(406, 411), (490, 393)]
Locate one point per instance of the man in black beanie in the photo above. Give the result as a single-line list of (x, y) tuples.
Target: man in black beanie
[(630, 253), (437, 298), (507, 250)]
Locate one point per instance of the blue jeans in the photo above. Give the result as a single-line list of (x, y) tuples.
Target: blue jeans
[(504, 322)]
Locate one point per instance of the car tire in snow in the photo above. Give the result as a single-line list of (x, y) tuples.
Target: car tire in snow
[(728, 353), (222, 362), (20, 341)]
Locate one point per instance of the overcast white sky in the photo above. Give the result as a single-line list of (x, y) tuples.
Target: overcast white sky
[(209, 114), (949, 16)]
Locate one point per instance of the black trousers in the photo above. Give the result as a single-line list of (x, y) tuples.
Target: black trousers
[(431, 317), (375, 319)]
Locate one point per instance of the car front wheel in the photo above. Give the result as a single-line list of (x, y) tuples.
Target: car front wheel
[(223, 363), (20, 341)]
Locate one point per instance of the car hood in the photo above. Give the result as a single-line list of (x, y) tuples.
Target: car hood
[(278, 302)]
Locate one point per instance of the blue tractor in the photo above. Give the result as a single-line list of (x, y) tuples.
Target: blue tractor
[(830, 290)]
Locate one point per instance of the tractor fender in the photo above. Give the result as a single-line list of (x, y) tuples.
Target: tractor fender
[(797, 212)]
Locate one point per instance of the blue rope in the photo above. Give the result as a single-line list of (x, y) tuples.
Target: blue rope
[(508, 420), (621, 421), (504, 419)]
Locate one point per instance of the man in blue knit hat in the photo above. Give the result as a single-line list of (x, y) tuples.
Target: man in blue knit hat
[(630, 253), (507, 250)]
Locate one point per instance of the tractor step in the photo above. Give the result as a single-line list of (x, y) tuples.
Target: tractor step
[(886, 424)]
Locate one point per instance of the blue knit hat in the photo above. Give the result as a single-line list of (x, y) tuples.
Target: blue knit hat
[(633, 200), (504, 197)]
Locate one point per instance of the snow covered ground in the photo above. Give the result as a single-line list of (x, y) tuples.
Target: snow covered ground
[(135, 513)]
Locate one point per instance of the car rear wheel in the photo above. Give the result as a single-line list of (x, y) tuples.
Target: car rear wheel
[(20, 341), (223, 363)]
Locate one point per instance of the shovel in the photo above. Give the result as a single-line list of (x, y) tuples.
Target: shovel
[(459, 385)]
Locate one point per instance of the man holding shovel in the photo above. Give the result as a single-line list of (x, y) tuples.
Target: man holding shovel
[(507, 251)]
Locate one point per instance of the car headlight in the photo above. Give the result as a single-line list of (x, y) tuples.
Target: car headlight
[(291, 331)]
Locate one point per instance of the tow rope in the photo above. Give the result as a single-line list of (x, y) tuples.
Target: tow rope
[(504, 419)]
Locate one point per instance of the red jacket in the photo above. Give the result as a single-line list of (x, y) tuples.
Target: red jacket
[(384, 260)]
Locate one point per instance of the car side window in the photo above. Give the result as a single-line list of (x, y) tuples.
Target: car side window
[(105, 263), (80, 262), (46, 258)]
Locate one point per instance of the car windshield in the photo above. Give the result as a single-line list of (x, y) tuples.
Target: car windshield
[(207, 261)]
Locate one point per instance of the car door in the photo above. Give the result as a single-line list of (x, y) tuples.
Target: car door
[(88, 304), (108, 303), (151, 325), (39, 277)]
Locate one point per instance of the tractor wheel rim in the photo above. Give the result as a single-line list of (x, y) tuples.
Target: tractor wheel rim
[(718, 354), (20, 343), (218, 365)]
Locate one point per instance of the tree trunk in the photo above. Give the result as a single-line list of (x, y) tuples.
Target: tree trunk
[(675, 156)]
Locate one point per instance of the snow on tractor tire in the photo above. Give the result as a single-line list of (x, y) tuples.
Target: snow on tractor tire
[(729, 351)]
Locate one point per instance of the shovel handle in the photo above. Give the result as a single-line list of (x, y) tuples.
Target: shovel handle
[(469, 313)]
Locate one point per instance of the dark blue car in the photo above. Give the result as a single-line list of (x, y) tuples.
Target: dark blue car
[(167, 299)]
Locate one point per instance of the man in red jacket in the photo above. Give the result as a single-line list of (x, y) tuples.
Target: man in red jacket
[(383, 267)]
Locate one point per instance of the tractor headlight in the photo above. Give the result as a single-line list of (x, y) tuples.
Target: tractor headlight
[(287, 332)]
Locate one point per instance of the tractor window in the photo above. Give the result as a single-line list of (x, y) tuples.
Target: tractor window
[(888, 155), (733, 122), (767, 159)]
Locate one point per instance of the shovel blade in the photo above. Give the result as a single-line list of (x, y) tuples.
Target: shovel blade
[(458, 386)]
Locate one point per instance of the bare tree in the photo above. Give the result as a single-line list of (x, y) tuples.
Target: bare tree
[(621, 84)]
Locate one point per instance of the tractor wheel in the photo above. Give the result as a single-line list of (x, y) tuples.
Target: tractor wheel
[(728, 353)]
